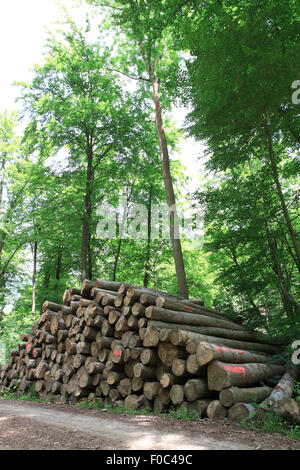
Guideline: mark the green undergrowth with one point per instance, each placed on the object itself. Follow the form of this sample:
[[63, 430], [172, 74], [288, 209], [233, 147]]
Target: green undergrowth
[[30, 395], [181, 413], [8, 394], [113, 409], [271, 422]]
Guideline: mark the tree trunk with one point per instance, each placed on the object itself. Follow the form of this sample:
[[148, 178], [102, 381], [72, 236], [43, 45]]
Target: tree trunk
[[200, 406], [151, 389], [195, 389], [149, 357], [221, 375], [216, 410], [86, 220], [193, 367], [162, 314], [58, 266], [117, 255], [145, 372], [281, 197], [284, 388], [207, 352], [147, 262], [179, 367], [137, 384], [177, 394], [182, 337], [170, 195], [230, 396], [125, 387], [167, 352], [167, 380], [134, 402], [107, 285], [35, 248], [151, 338]]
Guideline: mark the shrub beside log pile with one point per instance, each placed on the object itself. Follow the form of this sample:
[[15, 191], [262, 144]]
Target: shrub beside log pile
[[125, 345]]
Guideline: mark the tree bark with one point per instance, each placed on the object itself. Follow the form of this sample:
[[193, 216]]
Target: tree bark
[[221, 375], [200, 406], [182, 337], [170, 195], [284, 388], [281, 196], [35, 248], [134, 402], [151, 389], [147, 262], [86, 262], [177, 394], [207, 352], [151, 338], [179, 367], [193, 367], [167, 352], [216, 410], [156, 313], [230, 396], [195, 389], [145, 372]]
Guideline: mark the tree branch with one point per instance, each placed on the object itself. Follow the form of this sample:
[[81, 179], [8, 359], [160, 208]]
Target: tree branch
[[130, 76], [110, 6], [3, 270]]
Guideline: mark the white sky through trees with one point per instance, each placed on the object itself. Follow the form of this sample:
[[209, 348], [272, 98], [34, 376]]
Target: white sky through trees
[[23, 34]]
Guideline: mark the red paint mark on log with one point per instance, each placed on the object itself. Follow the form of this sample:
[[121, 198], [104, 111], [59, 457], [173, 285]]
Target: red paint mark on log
[[187, 309], [34, 353], [117, 353], [223, 348], [235, 369], [28, 347]]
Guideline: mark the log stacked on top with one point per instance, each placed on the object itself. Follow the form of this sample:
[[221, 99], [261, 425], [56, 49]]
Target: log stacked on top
[[126, 345]]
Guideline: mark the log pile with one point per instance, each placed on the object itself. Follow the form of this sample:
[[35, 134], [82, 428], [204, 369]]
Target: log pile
[[125, 345]]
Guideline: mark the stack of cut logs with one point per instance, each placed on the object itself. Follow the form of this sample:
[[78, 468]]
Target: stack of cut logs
[[125, 345]]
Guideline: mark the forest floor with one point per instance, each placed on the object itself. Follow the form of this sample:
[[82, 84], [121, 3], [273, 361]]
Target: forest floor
[[43, 426]]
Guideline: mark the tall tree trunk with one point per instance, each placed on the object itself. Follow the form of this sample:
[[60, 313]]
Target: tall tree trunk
[[89, 255], [121, 230], [86, 234], [117, 256], [170, 195], [47, 279], [35, 249], [147, 263], [240, 276], [3, 160], [58, 266], [289, 303], [281, 196]]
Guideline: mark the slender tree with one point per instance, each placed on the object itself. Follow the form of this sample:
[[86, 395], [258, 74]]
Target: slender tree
[[152, 59]]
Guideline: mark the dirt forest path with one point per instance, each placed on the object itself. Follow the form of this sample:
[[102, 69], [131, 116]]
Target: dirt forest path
[[39, 426]]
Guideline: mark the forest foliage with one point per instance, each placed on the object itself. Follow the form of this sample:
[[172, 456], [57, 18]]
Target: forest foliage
[[88, 134]]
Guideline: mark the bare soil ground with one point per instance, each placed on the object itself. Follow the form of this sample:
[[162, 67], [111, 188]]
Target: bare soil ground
[[42, 426]]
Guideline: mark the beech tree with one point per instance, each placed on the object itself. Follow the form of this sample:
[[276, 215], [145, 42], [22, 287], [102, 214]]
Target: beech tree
[[152, 60], [76, 101]]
